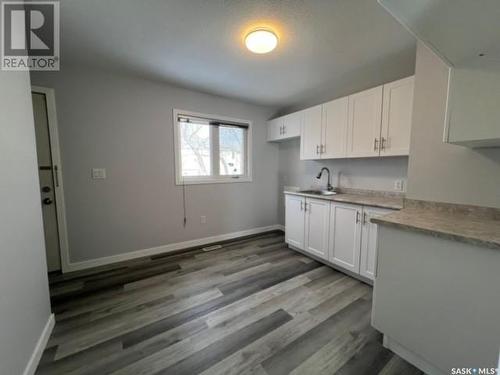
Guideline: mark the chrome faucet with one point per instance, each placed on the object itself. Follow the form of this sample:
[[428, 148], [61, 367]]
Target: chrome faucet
[[329, 186]]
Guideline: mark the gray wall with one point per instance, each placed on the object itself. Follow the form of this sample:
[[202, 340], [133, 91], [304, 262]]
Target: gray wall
[[24, 296], [438, 171], [361, 173], [124, 124]]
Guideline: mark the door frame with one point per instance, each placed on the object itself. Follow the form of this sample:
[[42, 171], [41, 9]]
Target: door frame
[[50, 101]]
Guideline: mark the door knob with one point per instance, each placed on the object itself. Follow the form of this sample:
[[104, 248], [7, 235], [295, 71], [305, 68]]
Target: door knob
[[47, 201]]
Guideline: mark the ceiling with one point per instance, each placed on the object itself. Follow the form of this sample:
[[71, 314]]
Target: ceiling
[[327, 47], [460, 31]]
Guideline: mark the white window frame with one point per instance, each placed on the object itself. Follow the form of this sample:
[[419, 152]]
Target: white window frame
[[195, 180]]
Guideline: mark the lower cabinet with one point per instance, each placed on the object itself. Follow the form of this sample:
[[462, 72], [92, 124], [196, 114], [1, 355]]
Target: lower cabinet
[[368, 259], [345, 238], [294, 220], [339, 233], [317, 214]]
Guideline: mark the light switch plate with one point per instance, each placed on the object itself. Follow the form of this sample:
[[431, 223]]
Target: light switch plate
[[98, 173]]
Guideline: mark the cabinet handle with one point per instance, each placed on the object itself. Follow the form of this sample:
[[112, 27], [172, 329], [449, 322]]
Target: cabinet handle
[[284, 129], [317, 149], [281, 130], [364, 218], [301, 205], [322, 149], [382, 144], [305, 207], [357, 217], [56, 175], [375, 145]]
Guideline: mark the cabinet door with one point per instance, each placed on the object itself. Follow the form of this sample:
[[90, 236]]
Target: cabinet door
[[396, 117], [294, 220], [274, 129], [310, 135], [291, 125], [368, 255], [335, 121], [345, 235], [317, 225], [365, 116]]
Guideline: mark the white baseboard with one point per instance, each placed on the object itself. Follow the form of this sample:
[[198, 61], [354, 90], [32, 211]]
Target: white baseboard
[[40, 347], [77, 266], [280, 227], [411, 357]]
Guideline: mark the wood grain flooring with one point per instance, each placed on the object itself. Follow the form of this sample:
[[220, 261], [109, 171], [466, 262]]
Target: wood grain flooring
[[251, 307]]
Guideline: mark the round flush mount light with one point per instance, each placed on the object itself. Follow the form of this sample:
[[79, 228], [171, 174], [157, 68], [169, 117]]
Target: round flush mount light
[[261, 41]]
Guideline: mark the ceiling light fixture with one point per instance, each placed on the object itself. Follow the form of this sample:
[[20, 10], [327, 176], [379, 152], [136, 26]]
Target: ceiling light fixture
[[261, 41]]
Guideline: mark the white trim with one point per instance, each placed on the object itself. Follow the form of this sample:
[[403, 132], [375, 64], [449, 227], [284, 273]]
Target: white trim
[[40, 347], [50, 100], [411, 357], [447, 112], [211, 179], [77, 266]]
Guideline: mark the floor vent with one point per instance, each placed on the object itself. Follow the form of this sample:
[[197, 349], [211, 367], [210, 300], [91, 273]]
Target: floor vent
[[211, 248]]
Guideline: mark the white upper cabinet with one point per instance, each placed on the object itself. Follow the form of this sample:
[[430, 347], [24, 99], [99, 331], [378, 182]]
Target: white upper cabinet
[[365, 118], [310, 136], [345, 235], [294, 220], [368, 254], [396, 117], [284, 127], [371, 123], [292, 124], [274, 129], [473, 111], [317, 227], [334, 132]]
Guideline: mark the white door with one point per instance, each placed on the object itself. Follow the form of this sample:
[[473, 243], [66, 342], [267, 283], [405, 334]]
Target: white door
[[335, 122], [310, 135], [291, 125], [47, 185], [345, 235], [368, 261], [294, 220], [365, 117], [317, 227], [396, 117], [274, 129]]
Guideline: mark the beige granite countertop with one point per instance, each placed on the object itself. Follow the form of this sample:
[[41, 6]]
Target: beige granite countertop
[[391, 202], [474, 229]]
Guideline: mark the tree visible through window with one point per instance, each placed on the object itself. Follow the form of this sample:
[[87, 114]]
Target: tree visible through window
[[231, 150], [211, 150], [195, 149]]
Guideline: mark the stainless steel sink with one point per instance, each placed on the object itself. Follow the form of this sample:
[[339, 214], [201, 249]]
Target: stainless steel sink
[[318, 192]]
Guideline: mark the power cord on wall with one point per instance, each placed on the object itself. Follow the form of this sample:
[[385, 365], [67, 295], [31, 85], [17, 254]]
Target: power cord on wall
[[184, 203]]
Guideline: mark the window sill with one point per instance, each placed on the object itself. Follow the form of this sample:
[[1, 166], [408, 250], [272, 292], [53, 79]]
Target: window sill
[[214, 181]]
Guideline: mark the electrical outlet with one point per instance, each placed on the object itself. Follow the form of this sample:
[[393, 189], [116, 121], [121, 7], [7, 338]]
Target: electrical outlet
[[203, 219], [98, 173], [399, 185]]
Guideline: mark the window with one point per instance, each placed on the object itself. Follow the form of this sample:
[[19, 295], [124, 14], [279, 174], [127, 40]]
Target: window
[[211, 149]]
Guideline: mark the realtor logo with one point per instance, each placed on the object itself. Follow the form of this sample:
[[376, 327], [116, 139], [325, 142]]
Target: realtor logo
[[30, 35]]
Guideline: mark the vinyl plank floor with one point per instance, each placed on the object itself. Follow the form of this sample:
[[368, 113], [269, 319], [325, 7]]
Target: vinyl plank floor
[[253, 306]]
